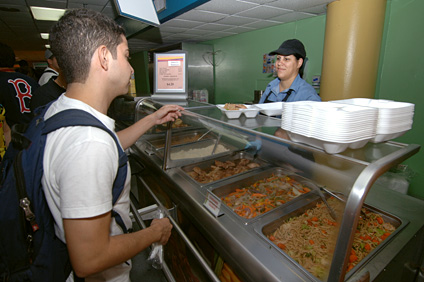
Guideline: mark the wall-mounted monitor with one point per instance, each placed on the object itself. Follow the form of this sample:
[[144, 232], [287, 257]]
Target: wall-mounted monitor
[[141, 10], [170, 77], [136, 15]]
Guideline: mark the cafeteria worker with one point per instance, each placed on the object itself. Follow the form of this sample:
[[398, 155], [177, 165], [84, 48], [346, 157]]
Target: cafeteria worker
[[289, 86]]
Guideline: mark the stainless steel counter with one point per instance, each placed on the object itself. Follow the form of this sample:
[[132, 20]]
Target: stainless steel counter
[[353, 173]]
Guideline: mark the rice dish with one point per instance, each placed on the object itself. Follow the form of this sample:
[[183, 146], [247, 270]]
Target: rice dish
[[197, 152]]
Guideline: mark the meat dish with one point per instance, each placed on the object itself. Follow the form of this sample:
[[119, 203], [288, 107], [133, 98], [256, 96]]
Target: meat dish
[[222, 170]]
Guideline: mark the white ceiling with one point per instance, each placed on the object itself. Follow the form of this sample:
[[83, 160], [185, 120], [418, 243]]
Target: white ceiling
[[212, 20]]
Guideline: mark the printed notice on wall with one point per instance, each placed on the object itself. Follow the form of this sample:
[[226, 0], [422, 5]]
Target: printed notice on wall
[[170, 73], [268, 65]]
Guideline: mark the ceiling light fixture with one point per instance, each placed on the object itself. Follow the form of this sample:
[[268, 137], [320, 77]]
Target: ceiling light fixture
[[46, 14], [45, 35]]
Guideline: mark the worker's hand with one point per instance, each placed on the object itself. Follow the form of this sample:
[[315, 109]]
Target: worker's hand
[[167, 113], [163, 227]]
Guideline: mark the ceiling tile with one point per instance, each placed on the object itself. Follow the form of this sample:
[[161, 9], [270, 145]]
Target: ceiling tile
[[87, 6], [297, 5], [183, 23], [317, 10], [46, 3], [263, 12], [198, 32], [260, 2], [213, 26], [239, 29], [262, 24], [291, 17], [172, 29], [226, 6], [12, 2], [90, 2], [211, 20], [202, 16], [236, 20]]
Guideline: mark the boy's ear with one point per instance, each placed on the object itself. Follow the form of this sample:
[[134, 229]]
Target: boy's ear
[[102, 56]]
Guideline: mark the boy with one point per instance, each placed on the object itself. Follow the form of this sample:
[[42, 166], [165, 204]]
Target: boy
[[80, 163]]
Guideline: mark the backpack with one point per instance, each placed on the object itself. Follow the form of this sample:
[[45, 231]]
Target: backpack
[[29, 248]]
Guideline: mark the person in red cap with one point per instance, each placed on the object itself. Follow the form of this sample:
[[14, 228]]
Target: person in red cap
[[289, 86]]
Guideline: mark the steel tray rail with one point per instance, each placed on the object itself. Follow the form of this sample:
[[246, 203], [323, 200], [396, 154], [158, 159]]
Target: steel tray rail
[[354, 203]]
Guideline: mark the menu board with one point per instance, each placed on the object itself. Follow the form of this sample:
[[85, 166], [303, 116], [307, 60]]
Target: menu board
[[170, 73]]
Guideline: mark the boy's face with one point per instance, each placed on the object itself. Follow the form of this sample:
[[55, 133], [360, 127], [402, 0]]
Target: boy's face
[[121, 68]]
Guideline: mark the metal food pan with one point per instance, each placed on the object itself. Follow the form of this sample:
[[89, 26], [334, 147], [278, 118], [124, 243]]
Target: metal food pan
[[235, 157], [181, 124], [199, 151], [181, 137], [227, 189], [269, 224]]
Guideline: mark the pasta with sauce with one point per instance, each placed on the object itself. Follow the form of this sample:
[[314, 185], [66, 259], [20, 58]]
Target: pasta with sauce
[[310, 238]]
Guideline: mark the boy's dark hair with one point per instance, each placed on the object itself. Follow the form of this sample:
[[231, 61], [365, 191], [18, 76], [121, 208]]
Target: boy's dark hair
[[76, 36], [7, 56]]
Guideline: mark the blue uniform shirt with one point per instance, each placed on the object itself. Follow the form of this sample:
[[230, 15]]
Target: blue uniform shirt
[[302, 91]]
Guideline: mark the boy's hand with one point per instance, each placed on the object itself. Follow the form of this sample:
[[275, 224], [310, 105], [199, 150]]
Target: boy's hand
[[168, 113]]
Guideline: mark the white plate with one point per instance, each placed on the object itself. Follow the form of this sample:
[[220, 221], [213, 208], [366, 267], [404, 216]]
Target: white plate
[[271, 109], [251, 111], [328, 147]]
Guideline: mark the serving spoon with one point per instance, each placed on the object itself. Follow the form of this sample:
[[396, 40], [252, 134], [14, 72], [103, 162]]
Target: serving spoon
[[321, 195]]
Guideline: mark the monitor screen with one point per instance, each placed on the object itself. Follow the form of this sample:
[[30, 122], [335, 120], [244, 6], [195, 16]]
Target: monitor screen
[[170, 73], [141, 10]]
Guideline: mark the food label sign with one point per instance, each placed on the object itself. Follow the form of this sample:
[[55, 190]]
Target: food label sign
[[213, 204], [170, 73]]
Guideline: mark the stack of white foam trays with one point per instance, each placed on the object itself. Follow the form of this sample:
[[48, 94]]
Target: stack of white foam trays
[[394, 118], [337, 125]]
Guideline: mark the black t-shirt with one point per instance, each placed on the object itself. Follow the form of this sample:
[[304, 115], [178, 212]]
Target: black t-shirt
[[16, 90], [46, 93]]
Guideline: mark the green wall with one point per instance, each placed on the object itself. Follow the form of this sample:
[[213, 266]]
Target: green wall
[[239, 58], [140, 61], [401, 75]]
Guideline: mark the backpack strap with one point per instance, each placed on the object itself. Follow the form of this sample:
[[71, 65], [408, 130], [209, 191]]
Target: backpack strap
[[75, 117]]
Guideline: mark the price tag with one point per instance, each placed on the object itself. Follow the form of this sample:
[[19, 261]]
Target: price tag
[[213, 204]]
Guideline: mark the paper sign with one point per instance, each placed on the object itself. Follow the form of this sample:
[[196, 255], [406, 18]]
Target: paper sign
[[212, 203], [170, 73]]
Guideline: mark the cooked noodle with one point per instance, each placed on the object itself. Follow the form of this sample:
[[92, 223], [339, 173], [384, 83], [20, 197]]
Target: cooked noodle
[[310, 238]]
